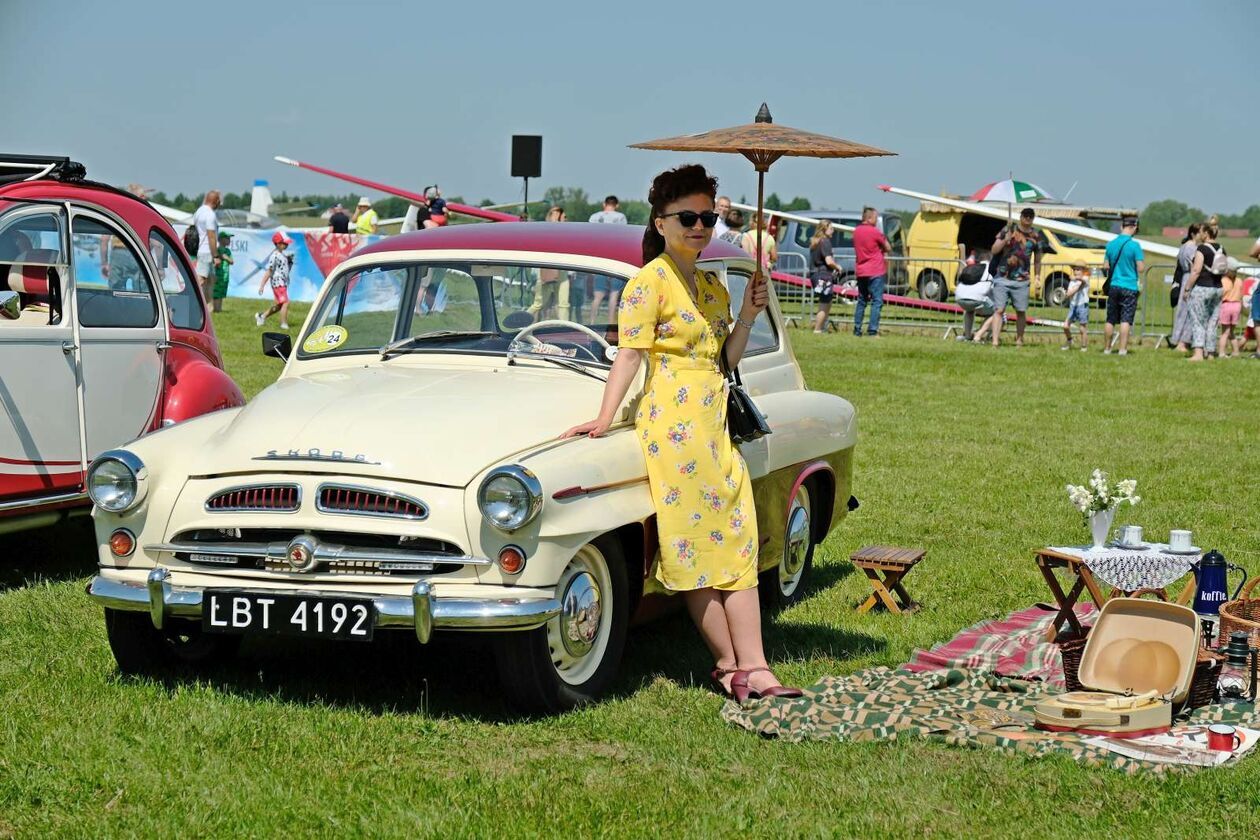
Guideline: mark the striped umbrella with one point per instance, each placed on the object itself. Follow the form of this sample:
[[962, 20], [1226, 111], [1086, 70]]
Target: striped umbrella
[[1010, 191]]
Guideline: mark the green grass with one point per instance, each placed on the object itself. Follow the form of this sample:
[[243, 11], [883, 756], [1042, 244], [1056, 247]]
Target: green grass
[[963, 450]]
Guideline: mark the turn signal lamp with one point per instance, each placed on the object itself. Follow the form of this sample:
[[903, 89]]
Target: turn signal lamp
[[512, 560], [122, 543]]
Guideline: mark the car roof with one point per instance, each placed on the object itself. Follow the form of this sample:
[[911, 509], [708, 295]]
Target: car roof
[[130, 207], [623, 243]]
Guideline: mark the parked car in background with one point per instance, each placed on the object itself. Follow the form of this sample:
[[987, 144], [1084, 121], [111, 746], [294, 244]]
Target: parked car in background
[[425, 488], [793, 239], [941, 238], [103, 334]]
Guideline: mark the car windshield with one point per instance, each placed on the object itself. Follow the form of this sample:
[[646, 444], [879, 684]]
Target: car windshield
[[1070, 241], [496, 308], [840, 239]]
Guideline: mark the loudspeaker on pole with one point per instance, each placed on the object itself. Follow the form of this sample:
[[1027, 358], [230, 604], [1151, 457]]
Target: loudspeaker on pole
[[526, 156]]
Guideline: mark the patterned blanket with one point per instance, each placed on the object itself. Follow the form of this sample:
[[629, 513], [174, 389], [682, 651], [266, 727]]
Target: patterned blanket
[[960, 707], [1014, 646]]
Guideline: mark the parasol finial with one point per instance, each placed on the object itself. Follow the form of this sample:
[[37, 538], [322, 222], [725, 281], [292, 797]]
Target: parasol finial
[[763, 115]]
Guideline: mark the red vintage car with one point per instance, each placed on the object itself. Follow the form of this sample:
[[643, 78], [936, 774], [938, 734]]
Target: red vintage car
[[104, 335]]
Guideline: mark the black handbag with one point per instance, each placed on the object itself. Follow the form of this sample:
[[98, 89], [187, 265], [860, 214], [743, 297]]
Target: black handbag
[[744, 420]]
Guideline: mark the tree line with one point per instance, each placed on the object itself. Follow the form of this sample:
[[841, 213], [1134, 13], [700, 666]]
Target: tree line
[[578, 206], [1171, 213], [577, 203]]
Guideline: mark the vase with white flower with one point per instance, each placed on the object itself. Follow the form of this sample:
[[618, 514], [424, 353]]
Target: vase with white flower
[[1098, 500]]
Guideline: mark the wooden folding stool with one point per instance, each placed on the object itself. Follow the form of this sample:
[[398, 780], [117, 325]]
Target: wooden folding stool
[[895, 563]]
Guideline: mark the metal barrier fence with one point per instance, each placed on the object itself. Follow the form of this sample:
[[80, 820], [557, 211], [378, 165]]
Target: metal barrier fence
[[796, 299], [936, 277], [1156, 314]]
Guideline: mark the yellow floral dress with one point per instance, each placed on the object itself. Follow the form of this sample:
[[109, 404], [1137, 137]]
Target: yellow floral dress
[[698, 479]]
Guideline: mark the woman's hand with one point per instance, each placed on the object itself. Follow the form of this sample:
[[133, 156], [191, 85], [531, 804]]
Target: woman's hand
[[591, 428], [756, 298]]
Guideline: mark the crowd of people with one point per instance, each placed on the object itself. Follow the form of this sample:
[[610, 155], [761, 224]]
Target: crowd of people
[[1208, 292]]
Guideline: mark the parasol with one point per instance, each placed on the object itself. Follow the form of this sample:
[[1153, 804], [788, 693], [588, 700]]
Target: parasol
[[763, 142]]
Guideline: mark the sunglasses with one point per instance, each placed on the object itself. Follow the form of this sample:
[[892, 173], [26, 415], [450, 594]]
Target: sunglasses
[[688, 218]]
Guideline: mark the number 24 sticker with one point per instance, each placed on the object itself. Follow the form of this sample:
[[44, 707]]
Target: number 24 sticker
[[326, 338]]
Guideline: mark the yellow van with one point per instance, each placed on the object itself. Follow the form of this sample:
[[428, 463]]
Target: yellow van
[[941, 238]]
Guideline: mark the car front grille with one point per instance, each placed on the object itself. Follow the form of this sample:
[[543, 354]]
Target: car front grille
[[365, 501], [338, 552], [269, 498]]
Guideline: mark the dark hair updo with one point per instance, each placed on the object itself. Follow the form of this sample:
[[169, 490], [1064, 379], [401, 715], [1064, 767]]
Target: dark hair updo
[[668, 187]]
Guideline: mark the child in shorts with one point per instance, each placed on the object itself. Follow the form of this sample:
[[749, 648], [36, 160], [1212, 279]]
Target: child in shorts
[[222, 271], [1078, 307], [1231, 310], [277, 275]]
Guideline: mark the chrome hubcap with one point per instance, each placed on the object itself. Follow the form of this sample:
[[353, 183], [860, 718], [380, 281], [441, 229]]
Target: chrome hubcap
[[795, 545], [579, 614], [578, 636]]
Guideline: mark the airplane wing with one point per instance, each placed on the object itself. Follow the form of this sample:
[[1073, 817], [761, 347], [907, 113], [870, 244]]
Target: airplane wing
[[175, 217], [1000, 212], [805, 220], [464, 209]]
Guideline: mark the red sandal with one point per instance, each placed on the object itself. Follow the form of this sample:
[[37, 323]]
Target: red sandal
[[716, 676], [743, 691]]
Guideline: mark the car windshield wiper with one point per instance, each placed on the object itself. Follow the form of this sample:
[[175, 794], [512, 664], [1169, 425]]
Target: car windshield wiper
[[562, 361], [411, 341]]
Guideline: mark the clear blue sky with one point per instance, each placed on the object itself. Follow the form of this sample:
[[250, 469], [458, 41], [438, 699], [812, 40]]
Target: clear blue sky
[[1136, 101]]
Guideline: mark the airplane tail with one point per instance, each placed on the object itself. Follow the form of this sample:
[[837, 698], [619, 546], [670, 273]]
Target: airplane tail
[[260, 201]]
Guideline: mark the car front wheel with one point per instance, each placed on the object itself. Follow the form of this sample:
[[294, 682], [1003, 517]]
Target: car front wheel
[[785, 584], [1054, 293], [572, 659], [932, 285], [141, 648]]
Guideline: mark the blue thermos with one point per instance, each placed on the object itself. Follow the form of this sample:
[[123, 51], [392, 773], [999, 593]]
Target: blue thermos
[[1211, 576]]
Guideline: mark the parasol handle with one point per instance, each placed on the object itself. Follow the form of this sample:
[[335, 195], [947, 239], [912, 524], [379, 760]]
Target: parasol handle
[[759, 222]]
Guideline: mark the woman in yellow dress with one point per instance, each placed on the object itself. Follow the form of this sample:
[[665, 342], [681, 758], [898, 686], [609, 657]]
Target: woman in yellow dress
[[677, 319]]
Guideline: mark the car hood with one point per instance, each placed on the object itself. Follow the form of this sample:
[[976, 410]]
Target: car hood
[[431, 424]]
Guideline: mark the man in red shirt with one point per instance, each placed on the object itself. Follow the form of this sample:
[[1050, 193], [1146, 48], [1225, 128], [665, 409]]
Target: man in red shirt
[[870, 245]]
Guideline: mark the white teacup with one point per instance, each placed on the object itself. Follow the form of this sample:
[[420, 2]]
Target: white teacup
[[1179, 540], [1130, 535]]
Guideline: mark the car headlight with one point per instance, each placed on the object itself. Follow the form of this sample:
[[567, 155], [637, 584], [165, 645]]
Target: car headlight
[[117, 481], [510, 497]]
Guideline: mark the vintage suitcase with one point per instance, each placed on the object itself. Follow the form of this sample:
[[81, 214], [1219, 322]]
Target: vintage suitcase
[[1138, 662]]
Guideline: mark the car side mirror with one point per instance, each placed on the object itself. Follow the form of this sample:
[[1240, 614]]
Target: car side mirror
[[10, 305], [277, 344]]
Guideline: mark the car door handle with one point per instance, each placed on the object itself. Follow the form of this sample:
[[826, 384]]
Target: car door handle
[[162, 345], [68, 347]]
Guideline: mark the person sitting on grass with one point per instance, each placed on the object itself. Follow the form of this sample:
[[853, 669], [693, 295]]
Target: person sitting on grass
[[1078, 307], [973, 291], [278, 265]]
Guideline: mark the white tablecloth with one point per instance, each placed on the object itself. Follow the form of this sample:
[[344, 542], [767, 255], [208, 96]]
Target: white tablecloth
[[1129, 569]]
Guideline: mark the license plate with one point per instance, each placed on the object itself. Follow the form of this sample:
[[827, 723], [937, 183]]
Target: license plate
[[225, 611]]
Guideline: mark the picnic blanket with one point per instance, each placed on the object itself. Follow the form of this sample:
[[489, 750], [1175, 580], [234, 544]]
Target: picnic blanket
[[1014, 646], [967, 708]]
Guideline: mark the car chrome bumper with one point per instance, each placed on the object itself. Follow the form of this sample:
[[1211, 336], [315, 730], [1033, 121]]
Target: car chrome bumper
[[423, 610]]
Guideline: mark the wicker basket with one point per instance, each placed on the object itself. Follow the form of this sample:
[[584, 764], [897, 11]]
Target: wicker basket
[[1242, 614], [1202, 685], [1071, 647]]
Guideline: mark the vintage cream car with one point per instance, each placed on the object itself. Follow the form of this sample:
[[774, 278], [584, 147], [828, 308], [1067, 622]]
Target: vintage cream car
[[405, 470]]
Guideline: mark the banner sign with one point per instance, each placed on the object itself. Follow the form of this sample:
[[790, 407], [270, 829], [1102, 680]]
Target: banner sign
[[315, 253]]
